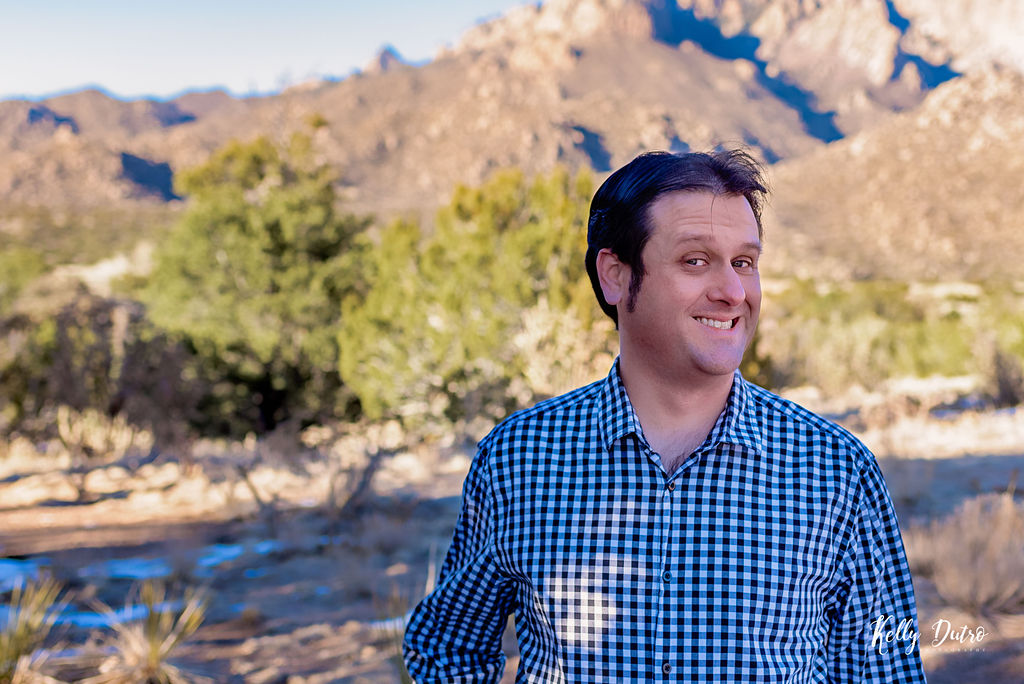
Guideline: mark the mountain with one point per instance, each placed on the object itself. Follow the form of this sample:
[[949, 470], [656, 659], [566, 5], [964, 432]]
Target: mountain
[[573, 82], [848, 56], [88, 149], [583, 82], [386, 58], [965, 33], [931, 194]]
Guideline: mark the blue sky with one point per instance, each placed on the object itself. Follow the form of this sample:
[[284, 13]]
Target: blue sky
[[142, 48]]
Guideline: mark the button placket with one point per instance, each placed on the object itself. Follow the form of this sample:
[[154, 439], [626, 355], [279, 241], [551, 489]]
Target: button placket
[[666, 575]]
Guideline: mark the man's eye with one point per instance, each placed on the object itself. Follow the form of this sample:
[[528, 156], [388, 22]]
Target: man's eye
[[742, 263], [695, 261]]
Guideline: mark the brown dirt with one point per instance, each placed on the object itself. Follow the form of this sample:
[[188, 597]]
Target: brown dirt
[[301, 613]]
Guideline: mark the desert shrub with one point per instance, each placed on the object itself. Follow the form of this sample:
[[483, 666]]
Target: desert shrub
[[84, 235], [559, 352], [91, 438], [19, 265], [144, 650], [449, 320], [34, 606], [840, 334], [102, 355], [975, 556], [1004, 378], [253, 277]]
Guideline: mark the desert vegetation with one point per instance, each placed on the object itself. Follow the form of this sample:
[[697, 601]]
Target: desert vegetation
[[140, 648], [975, 555], [26, 628]]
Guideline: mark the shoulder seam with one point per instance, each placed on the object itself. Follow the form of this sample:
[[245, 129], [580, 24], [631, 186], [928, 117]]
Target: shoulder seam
[[801, 414], [554, 404]]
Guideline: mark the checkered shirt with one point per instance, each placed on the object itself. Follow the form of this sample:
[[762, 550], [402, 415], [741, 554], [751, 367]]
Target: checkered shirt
[[771, 554]]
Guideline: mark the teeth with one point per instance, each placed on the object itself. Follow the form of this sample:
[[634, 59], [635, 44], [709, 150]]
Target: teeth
[[710, 322]]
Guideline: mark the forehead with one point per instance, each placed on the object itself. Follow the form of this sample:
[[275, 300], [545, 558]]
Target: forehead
[[683, 214]]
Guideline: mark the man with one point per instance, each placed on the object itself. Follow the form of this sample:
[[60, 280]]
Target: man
[[673, 522]]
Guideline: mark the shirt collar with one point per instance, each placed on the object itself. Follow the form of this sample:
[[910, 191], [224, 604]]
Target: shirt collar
[[737, 424]]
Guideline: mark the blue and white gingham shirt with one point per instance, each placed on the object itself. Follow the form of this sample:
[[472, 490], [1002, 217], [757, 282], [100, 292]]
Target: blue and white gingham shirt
[[771, 554]]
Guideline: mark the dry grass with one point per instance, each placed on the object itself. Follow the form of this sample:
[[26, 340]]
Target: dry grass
[[143, 649], [396, 609], [31, 669], [90, 438], [975, 556], [34, 606], [392, 628]]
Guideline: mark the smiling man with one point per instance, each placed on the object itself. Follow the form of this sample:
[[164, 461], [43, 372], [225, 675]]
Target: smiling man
[[672, 522]]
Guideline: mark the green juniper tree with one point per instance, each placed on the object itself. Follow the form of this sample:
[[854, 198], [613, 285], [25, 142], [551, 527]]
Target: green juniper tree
[[253, 277], [440, 326]]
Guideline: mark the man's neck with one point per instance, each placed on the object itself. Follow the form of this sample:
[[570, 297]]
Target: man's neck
[[676, 414]]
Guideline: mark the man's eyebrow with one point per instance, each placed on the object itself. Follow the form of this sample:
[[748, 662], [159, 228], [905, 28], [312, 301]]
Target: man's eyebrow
[[754, 245]]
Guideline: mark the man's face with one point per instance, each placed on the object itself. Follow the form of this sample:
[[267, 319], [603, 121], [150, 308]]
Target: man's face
[[698, 305]]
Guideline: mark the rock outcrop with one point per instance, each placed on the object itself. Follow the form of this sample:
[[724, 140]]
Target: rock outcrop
[[847, 55], [386, 59], [932, 194], [969, 34]]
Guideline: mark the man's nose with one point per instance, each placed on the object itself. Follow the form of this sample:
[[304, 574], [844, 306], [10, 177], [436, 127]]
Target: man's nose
[[728, 286]]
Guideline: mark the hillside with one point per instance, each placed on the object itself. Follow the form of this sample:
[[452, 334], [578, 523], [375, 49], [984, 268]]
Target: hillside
[[592, 83], [928, 194], [576, 82]]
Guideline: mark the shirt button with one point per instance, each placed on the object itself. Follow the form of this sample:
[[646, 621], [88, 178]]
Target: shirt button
[[666, 668], [667, 576], [671, 486]]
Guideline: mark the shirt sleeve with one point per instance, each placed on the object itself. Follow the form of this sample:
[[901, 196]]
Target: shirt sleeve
[[874, 635], [454, 634]]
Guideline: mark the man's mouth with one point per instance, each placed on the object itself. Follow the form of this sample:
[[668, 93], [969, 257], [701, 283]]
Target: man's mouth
[[720, 325]]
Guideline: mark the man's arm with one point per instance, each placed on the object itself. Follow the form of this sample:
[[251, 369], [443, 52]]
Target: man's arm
[[454, 634], [874, 637]]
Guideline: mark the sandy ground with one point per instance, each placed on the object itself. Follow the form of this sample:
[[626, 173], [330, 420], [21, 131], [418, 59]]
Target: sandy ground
[[303, 611], [309, 607]]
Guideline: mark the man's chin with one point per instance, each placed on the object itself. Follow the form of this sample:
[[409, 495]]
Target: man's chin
[[722, 364]]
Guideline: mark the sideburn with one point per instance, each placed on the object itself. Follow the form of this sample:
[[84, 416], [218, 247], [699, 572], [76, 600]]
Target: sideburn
[[636, 279]]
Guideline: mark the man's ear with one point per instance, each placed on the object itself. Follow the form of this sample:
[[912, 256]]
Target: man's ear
[[613, 275]]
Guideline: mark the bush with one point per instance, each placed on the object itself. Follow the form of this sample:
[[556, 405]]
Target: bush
[[81, 235], [99, 355], [34, 606], [253, 277], [448, 324], [976, 555], [20, 265], [1005, 378], [837, 335], [144, 650]]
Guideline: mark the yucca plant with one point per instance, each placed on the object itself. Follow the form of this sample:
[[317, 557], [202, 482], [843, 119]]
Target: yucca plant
[[143, 649], [34, 606], [30, 669]]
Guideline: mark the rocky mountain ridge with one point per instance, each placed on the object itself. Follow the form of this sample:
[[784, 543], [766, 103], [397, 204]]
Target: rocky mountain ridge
[[571, 82], [929, 194]]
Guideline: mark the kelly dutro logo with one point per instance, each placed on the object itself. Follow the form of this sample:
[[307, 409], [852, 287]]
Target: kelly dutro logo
[[887, 633]]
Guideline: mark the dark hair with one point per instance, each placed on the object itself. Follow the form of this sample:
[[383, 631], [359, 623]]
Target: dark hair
[[619, 211]]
